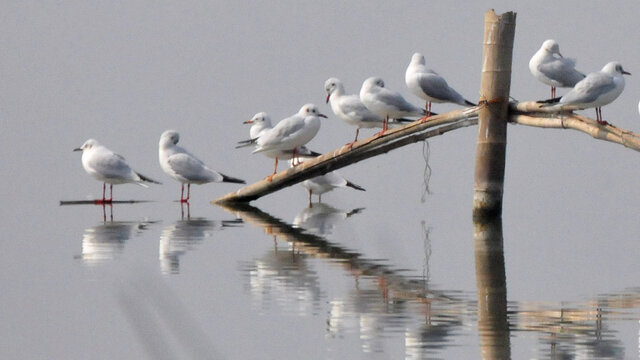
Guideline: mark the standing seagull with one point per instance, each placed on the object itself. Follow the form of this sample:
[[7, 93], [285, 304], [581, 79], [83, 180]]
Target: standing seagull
[[181, 165], [554, 71], [429, 86], [106, 166], [596, 90], [385, 102], [325, 183], [291, 133], [261, 122], [349, 108]]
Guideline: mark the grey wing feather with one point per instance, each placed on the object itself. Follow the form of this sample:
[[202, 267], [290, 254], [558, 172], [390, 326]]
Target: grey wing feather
[[112, 166], [589, 89], [562, 71], [398, 101], [192, 168], [352, 106]]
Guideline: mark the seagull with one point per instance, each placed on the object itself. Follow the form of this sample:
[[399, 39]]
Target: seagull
[[261, 122], [290, 133], [349, 108], [325, 183], [554, 71], [386, 103], [184, 167], [429, 86], [596, 90], [106, 166]]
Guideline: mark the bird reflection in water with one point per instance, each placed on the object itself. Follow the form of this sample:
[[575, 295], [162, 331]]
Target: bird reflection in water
[[184, 235], [321, 219], [106, 241]]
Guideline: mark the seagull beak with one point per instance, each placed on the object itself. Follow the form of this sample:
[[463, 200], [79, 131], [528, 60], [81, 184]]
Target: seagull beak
[[560, 55], [322, 115], [328, 96], [626, 72], [77, 149], [248, 122]]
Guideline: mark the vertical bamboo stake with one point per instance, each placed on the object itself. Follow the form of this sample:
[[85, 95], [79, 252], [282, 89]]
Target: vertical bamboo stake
[[493, 323], [495, 82]]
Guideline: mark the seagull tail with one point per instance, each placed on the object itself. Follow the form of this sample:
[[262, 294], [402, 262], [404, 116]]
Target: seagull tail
[[554, 100], [148, 179], [357, 187], [245, 143], [231, 179]]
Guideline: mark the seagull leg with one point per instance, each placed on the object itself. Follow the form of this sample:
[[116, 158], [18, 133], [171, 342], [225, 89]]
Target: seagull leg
[[275, 168], [553, 92], [427, 110], [188, 193], [385, 127], [599, 117], [110, 199], [350, 144], [182, 194], [310, 199]]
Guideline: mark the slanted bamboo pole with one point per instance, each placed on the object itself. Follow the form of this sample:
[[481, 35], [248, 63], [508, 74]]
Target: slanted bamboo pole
[[530, 114], [364, 149], [492, 119]]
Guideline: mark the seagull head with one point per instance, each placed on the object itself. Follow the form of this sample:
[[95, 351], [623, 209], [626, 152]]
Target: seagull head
[[261, 118], [615, 67], [372, 83], [87, 145], [310, 110], [552, 47], [332, 85], [169, 138], [417, 59]]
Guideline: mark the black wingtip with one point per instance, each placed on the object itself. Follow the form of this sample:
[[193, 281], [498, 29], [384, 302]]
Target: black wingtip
[[148, 179], [230, 179], [315, 153], [554, 100], [357, 187], [469, 103]]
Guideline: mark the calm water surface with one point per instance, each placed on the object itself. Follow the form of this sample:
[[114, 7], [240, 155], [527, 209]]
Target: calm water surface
[[243, 283]]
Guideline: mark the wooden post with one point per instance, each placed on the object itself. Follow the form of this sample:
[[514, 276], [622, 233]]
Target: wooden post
[[495, 83], [493, 324]]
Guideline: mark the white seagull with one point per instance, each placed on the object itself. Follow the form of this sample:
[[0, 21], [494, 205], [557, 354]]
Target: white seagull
[[325, 183], [386, 103], [290, 133], [429, 86], [184, 167], [261, 122], [349, 108], [555, 71], [596, 90], [110, 168]]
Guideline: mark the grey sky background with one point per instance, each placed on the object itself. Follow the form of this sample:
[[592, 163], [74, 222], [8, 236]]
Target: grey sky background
[[123, 72]]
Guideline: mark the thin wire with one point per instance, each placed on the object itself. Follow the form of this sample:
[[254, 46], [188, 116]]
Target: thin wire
[[426, 151]]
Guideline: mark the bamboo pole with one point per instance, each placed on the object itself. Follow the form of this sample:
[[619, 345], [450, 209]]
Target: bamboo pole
[[583, 124], [364, 149], [492, 119]]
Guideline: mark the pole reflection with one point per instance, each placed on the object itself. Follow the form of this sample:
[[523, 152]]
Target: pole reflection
[[384, 301], [493, 325]]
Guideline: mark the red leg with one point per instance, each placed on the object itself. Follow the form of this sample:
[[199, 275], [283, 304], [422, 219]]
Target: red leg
[[599, 117], [350, 145], [553, 92], [385, 127], [188, 192], [182, 194], [275, 168], [427, 109]]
